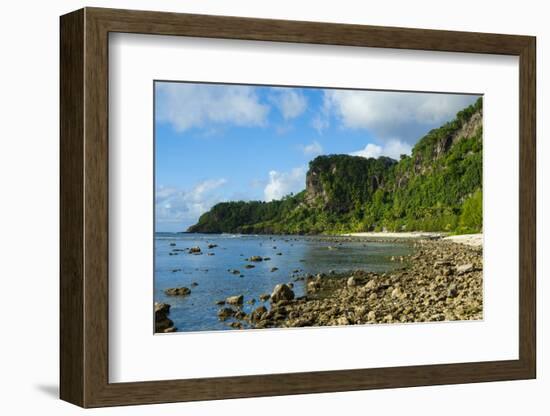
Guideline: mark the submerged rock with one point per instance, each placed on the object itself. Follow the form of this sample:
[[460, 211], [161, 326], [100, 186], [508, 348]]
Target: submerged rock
[[178, 291], [255, 258]]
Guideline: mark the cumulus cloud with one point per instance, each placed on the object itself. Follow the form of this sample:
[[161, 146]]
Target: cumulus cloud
[[312, 149], [392, 114], [185, 106], [177, 206], [290, 102], [392, 148], [281, 184]]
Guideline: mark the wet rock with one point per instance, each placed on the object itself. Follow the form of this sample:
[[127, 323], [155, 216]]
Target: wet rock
[[274, 269], [249, 266], [172, 244], [255, 258], [235, 271], [177, 291], [235, 300], [257, 314], [236, 325], [194, 284], [279, 254], [162, 322], [264, 297], [194, 250], [225, 313], [267, 258], [211, 254], [210, 246], [281, 292], [220, 302]]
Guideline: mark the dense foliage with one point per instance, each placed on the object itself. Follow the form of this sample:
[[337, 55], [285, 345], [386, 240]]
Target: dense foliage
[[437, 188]]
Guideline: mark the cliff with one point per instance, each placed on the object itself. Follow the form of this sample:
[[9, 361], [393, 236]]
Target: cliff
[[437, 188]]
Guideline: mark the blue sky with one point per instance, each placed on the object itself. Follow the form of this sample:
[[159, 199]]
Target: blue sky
[[219, 142]]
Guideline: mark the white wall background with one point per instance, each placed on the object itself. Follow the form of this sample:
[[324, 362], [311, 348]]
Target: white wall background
[[29, 209]]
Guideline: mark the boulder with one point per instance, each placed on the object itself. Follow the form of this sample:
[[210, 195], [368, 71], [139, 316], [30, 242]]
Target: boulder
[[162, 322], [195, 250], [225, 313], [465, 268], [255, 258], [281, 292], [352, 281], [257, 314], [235, 300], [178, 291]]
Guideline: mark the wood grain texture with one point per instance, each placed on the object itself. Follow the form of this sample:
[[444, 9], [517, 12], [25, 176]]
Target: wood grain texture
[[84, 205], [71, 100]]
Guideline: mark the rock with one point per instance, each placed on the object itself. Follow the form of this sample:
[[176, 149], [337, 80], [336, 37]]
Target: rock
[[352, 281], [290, 285], [257, 314], [398, 293], [249, 266], [178, 291], [211, 254], [371, 316], [236, 325], [265, 296], [162, 322], [235, 300], [240, 315], [251, 301], [176, 270], [235, 271], [313, 286], [465, 268], [281, 292], [279, 254], [194, 284], [440, 263], [220, 302], [274, 269], [267, 258], [172, 244], [296, 271], [194, 250], [255, 258], [343, 320], [212, 245], [371, 284], [225, 313], [452, 291]]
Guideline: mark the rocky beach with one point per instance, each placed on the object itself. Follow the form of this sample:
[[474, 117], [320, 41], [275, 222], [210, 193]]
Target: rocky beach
[[440, 280]]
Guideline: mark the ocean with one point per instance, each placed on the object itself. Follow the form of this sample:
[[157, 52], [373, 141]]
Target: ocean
[[292, 256]]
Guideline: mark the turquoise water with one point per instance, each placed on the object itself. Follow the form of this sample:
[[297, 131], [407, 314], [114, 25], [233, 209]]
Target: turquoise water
[[198, 311]]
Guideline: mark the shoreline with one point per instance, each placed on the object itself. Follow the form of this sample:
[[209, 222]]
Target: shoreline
[[441, 281]]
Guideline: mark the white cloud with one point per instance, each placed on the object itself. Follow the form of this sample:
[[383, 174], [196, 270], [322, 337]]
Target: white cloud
[[320, 122], [392, 148], [174, 205], [282, 183], [196, 105], [291, 103], [390, 114], [313, 149]]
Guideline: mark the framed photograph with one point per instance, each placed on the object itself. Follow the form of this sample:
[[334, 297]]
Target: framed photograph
[[255, 207]]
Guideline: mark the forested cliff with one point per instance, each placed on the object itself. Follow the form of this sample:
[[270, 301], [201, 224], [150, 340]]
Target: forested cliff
[[437, 188]]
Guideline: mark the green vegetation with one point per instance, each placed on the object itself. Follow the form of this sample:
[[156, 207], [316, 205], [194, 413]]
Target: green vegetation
[[437, 188]]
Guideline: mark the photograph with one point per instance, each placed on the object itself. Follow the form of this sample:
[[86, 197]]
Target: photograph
[[285, 207]]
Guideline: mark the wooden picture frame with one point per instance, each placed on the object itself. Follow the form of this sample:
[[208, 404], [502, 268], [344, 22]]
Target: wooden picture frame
[[84, 207]]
